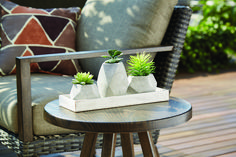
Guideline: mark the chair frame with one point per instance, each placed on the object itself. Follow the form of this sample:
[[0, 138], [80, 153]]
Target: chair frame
[[27, 144]]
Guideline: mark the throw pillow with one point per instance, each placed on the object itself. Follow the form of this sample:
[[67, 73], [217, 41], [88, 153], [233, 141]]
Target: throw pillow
[[29, 31], [119, 24]]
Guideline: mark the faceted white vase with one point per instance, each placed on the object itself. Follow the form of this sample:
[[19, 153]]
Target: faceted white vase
[[142, 84], [89, 91], [112, 79]]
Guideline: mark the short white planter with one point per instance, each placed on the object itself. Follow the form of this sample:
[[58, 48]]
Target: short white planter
[[112, 79], [89, 91], [142, 84]]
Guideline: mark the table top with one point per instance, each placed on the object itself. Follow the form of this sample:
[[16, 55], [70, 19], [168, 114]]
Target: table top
[[135, 118]]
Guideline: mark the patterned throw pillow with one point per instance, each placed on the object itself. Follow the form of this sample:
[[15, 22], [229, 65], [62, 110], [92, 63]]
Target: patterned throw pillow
[[28, 31]]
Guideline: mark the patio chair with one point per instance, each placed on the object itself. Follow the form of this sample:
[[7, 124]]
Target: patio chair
[[21, 108]]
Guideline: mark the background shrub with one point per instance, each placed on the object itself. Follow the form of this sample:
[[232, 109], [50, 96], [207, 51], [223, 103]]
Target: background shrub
[[210, 44]]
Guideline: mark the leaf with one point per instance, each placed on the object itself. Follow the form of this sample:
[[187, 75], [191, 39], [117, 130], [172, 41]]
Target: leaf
[[114, 56], [117, 53], [140, 65], [106, 56], [111, 53], [83, 78], [113, 60]]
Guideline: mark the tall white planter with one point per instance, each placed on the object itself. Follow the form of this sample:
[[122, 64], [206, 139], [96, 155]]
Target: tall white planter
[[88, 91], [112, 79], [142, 84]]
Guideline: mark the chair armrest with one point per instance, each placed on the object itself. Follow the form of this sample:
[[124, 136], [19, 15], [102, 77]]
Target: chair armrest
[[24, 81]]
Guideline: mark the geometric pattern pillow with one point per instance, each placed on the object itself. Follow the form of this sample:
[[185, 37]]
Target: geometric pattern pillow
[[28, 31]]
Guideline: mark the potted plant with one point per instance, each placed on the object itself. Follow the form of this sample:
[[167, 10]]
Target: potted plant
[[140, 69], [112, 78], [83, 87]]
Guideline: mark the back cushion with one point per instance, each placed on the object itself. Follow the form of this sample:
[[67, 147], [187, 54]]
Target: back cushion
[[30, 31], [51, 3], [119, 24]]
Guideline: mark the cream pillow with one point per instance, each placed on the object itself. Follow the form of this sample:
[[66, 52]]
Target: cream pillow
[[119, 24]]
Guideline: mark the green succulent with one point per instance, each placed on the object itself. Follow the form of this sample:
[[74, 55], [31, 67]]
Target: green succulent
[[140, 65], [113, 56], [83, 78]]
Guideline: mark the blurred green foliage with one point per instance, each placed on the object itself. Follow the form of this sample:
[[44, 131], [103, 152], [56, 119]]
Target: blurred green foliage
[[209, 45]]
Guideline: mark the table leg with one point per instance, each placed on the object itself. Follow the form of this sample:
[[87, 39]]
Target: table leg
[[109, 143], [88, 148], [147, 144], [127, 144]]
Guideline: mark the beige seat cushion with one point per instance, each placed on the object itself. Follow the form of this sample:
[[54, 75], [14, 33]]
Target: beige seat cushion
[[120, 24], [45, 88]]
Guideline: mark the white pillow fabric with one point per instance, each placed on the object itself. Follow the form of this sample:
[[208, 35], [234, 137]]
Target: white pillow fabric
[[119, 24]]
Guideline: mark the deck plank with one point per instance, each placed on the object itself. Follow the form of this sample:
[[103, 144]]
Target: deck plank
[[212, 130]]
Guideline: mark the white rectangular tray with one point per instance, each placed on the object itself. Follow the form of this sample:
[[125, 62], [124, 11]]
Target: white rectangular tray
[[114, 101]]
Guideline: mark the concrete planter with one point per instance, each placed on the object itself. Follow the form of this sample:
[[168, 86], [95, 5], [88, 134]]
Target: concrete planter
[[112, 80], [142, 84], [89, 91]]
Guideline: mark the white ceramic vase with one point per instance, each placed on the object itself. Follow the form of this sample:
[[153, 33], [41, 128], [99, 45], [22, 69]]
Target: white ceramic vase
[[112, 79], [88, 91], [142, 84]]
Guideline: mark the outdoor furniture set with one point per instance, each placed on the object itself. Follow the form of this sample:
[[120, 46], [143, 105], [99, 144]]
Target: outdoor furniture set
[[43, 48]]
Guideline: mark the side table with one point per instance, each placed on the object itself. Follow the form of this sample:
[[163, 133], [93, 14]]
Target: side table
[[124, 120]]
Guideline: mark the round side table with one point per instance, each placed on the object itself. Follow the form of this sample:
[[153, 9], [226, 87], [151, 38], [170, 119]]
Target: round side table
[[124, 120]]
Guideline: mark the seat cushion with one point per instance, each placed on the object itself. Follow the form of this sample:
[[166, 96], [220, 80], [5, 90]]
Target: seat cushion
[[30, 31], [120, 24], [45, 88]]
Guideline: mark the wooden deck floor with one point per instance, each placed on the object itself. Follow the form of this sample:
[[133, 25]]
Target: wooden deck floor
[[212, 130]]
